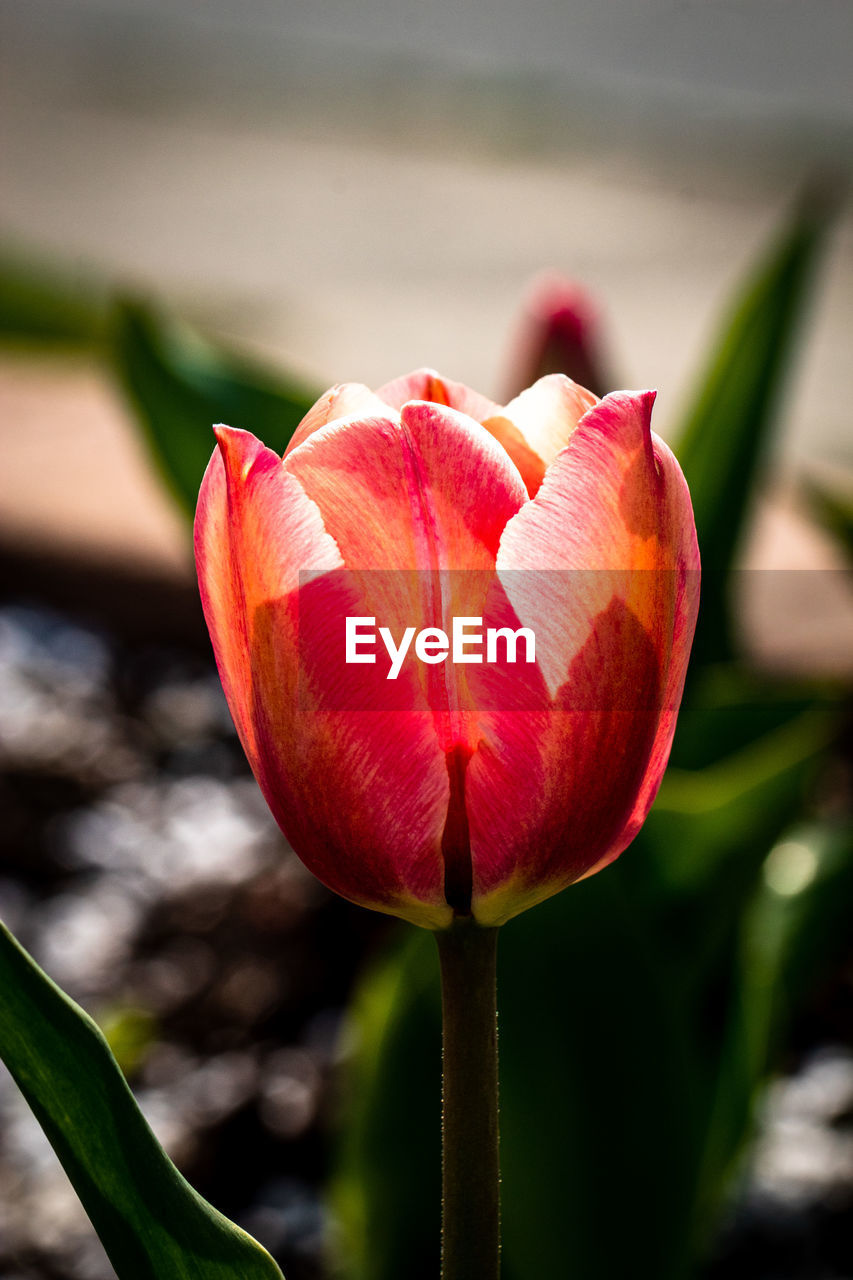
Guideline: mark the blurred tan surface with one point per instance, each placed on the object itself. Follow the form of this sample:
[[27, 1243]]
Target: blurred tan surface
[[75, 476], [78, 486], [355, 261], [358, 226]]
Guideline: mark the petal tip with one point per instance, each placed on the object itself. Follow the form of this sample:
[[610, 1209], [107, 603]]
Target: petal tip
[[241, 451]]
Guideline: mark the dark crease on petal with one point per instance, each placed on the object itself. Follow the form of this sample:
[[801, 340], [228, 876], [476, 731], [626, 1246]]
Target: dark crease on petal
[[456, 840]]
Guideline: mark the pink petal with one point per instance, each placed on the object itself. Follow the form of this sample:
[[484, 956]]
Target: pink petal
[[361, 795], [431, 492], [554, 794], [537, 424], [426, 384], [253, 527], [464, 480], [346, 400], [406, 502]]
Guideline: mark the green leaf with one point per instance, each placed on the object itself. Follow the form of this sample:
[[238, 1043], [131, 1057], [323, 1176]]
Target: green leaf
[[181, 386], [386, 1192], [725, 438], [611, 997], [833, 507], [795, 925], [798, 922], [42, 306], [706, 842], [151, 1222], [725, 814], [130, 1032]]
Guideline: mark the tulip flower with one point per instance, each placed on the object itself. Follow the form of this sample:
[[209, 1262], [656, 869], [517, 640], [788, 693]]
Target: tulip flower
[[468, 788], [559, 331], [446, 780]]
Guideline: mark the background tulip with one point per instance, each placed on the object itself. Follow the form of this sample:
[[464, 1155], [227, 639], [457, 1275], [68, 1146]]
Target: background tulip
[[470, 790], [559, 331]]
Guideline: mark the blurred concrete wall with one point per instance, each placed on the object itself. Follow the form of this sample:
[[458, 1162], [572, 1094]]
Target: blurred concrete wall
[[359, 188], [756, 61]]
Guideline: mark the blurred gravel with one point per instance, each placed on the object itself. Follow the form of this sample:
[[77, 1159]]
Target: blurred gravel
[[792, 1217], [140, 866]]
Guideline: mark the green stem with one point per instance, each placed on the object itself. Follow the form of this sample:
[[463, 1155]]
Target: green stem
[[471, 1170]]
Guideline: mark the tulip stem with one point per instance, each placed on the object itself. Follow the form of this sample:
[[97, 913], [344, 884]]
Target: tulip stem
[[471, 1170]]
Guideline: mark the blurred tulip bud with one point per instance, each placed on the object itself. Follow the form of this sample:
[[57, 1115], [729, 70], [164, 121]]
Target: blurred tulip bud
[[559, 332], [470, 780]]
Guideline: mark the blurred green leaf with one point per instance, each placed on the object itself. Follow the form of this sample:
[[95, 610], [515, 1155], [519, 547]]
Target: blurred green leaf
[[151, 1222], [42, 306], [592, 1120], [387, 1188], [707, 841], [130, 1032], [797, 923], [734, 804], [833, 508], [793, 927], [728, 707], [727, 431], [181, 386]]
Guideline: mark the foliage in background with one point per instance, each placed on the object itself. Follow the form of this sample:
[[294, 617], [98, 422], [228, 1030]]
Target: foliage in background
[[642, 1010], [180, 385], [833, 507], [48, 308], [726, 435]]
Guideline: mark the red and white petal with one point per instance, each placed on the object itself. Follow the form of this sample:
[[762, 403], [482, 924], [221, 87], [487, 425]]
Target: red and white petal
[[603, 566], [357, 777], [612, 518], [426, 384], [417, 509], [347, 400], [552, 794], [430, 493], [537, 424], [361, 795], [254, 530], [467, 488]]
